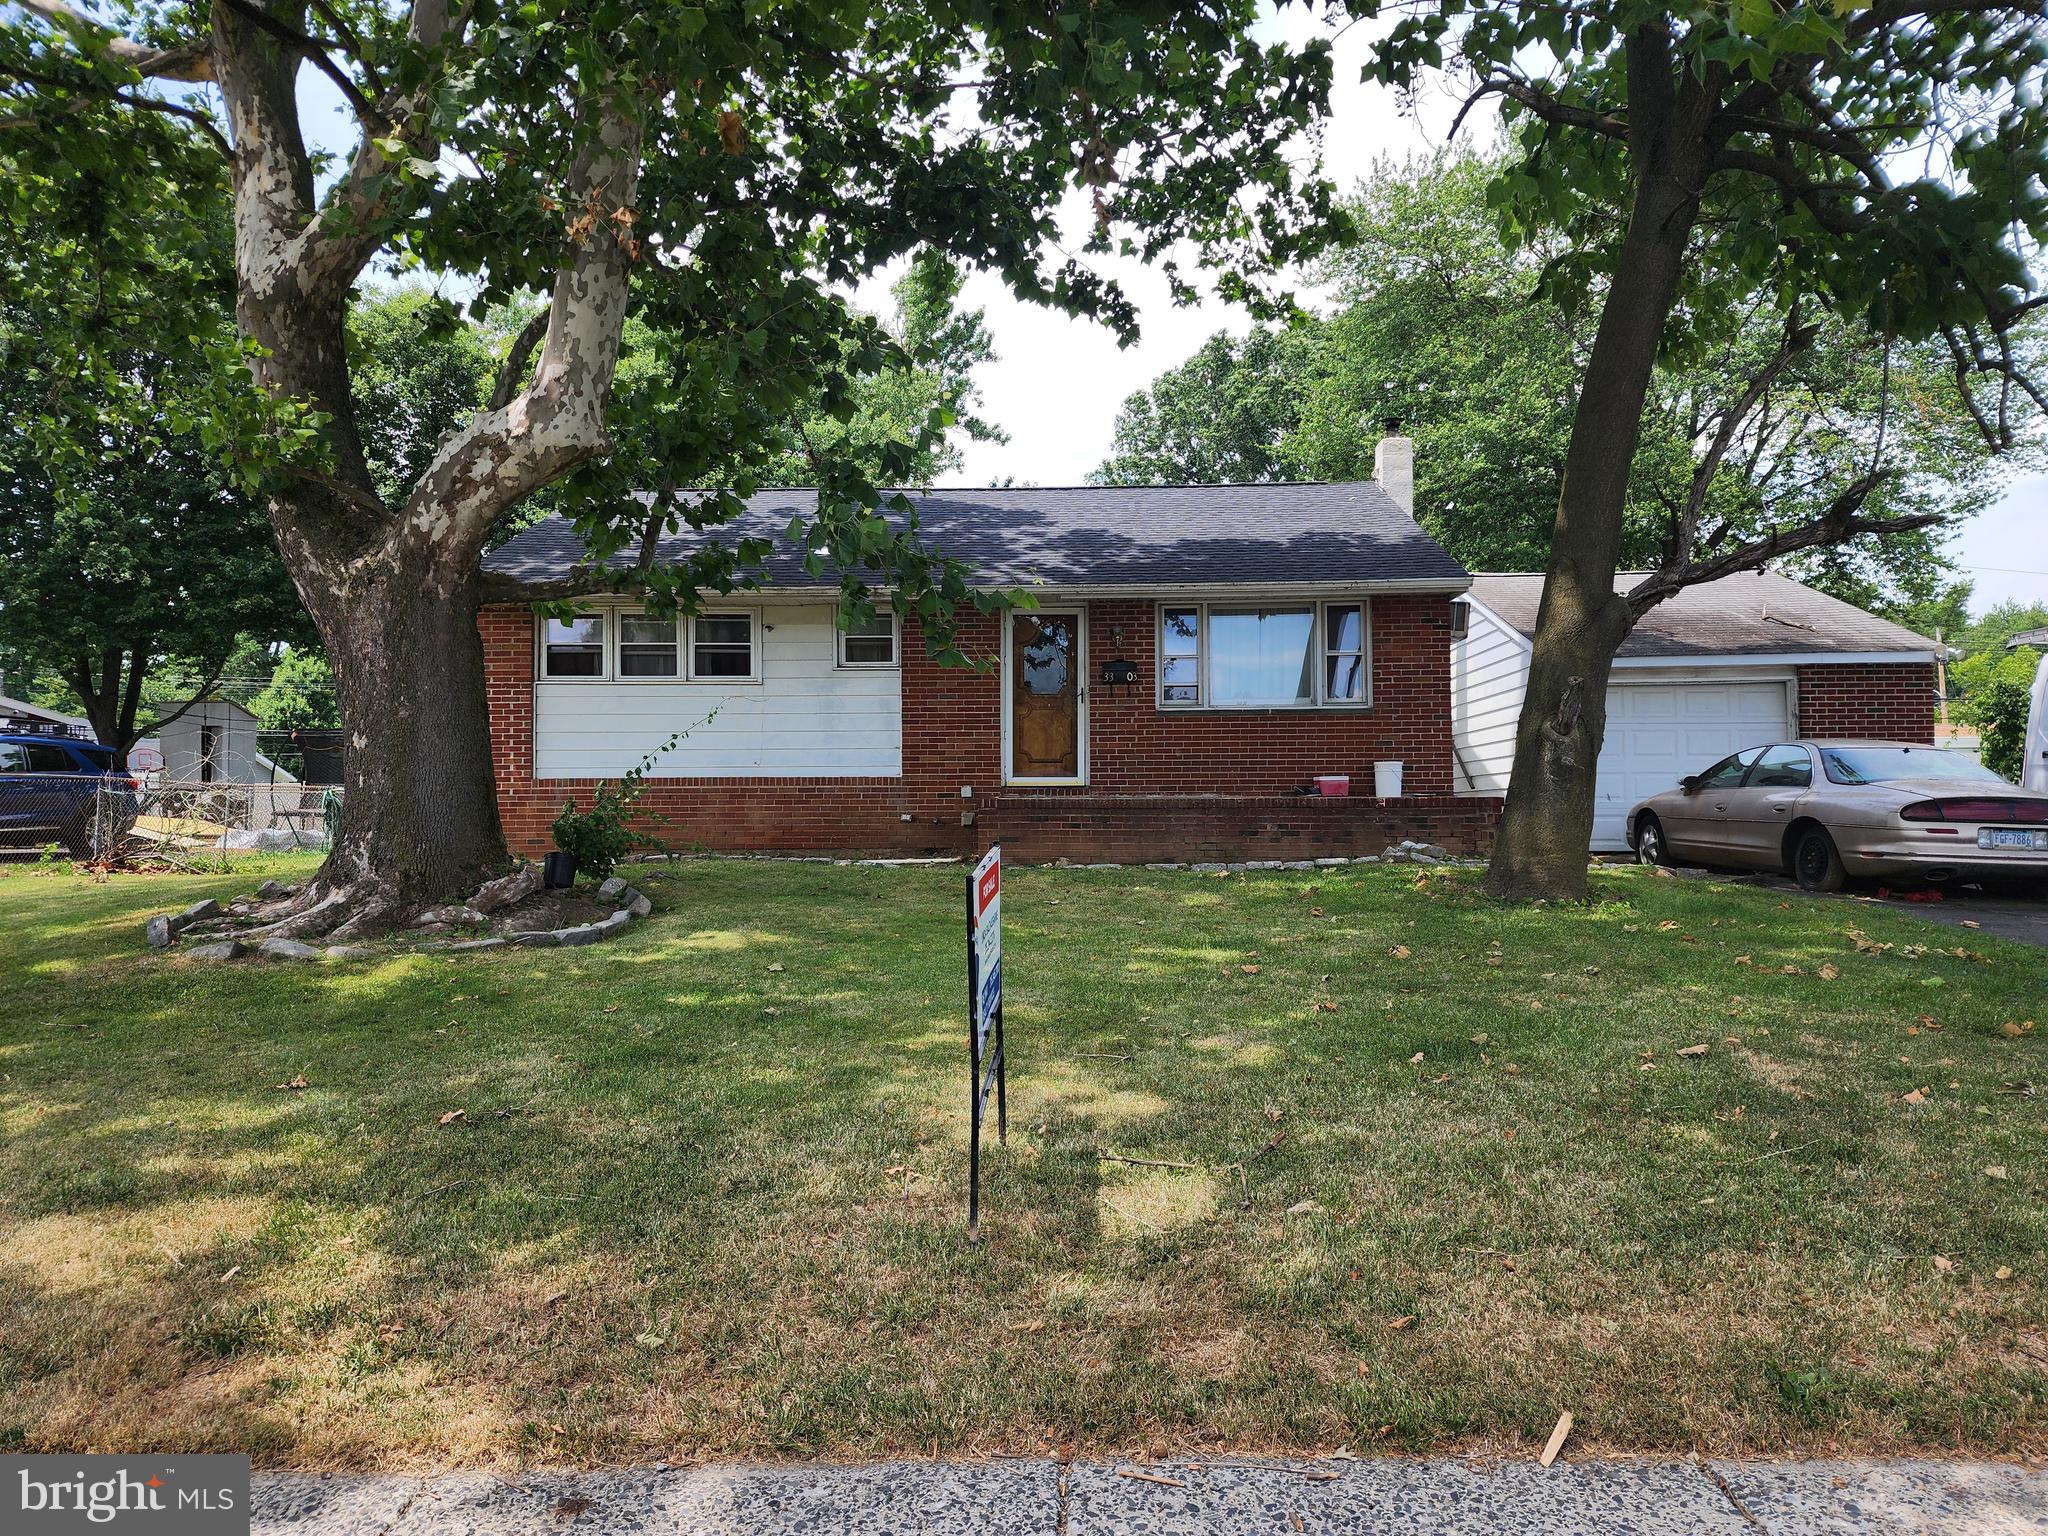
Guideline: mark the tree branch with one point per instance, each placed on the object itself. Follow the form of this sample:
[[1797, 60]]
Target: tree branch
[[558, 420], [315, 53], [498, 587], [1836, 524], [512, 373], [1797, 339], [191, 62], [173, 109], [1543, 105], [1817, 197]]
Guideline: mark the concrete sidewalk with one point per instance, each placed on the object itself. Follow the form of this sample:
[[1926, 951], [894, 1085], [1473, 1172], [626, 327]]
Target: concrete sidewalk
[[1225, 1497]]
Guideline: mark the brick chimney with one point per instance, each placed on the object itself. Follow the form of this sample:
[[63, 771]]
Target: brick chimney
[[1393, 465]]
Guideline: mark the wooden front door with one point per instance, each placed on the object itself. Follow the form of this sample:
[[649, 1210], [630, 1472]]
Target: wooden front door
[[1045, 695]]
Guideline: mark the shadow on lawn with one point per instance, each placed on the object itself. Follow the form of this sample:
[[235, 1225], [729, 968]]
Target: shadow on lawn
[[706, 1185]]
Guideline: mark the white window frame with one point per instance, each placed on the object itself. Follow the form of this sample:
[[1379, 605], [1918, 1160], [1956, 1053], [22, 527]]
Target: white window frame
[[618, 650], [610, 672], [1319, 608], [841, 636], [604, 656], [753, 618]]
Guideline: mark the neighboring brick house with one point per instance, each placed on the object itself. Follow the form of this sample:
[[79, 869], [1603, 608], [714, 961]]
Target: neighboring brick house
[[1750, 659], [1197, 656]]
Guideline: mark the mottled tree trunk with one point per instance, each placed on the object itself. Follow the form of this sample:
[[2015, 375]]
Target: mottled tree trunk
[[419, 824], [1547, 824], [392, 587]]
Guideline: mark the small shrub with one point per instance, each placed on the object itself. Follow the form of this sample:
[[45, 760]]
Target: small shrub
[[2000, 713], [601, 836]]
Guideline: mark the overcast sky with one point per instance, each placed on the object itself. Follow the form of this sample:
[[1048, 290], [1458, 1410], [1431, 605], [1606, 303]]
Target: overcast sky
[[1057, 383]]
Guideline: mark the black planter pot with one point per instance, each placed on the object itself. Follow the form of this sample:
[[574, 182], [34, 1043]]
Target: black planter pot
[[558, 871]]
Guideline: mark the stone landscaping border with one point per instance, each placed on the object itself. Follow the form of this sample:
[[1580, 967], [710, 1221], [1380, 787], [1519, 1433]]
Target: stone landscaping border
[[163, 931]]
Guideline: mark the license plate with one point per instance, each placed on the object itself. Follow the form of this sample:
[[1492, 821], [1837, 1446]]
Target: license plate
[[2004, 837]]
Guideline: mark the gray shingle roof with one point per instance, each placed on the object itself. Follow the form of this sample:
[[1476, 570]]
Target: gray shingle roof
[[1095, 536], [1754, 613]]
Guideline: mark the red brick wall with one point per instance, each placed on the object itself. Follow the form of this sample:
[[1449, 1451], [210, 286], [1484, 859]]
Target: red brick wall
[[1893, 701], [1138, 829], [1243, 762], [1135, 747]]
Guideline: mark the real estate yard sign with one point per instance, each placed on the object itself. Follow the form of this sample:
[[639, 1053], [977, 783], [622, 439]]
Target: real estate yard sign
[[984, 1018]]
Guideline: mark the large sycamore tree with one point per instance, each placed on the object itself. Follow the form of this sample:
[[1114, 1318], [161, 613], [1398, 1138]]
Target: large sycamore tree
[[1881, 161], [721, 172]]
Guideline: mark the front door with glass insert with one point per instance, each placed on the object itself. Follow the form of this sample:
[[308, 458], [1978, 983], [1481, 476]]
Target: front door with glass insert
[[1045, 696]]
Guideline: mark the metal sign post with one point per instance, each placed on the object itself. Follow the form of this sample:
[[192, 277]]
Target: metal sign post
[[984, 1019]]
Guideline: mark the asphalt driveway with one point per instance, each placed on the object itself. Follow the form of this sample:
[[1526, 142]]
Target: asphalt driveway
[[1966, 907]]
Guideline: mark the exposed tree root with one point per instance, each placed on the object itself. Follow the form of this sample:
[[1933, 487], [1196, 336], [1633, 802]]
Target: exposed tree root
[[360, 908]]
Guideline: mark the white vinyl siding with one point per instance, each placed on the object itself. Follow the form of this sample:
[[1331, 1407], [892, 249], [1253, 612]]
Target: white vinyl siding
[[1489, 673], [804, 716]]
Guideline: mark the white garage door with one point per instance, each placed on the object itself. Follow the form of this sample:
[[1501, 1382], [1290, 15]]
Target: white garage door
[[1659, 732]]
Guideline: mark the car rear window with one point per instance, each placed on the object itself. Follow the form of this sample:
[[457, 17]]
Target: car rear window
[[1878, 765], [97, 758]]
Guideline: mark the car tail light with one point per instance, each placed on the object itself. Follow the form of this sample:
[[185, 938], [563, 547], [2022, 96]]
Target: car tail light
[[1976, 809]]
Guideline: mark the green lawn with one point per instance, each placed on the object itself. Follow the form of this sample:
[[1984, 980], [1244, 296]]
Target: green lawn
[[706, 1193]]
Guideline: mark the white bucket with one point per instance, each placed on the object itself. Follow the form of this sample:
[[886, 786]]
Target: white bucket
[[1386, 780]]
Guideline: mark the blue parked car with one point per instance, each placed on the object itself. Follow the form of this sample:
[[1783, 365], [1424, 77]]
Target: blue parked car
[[50, 788]]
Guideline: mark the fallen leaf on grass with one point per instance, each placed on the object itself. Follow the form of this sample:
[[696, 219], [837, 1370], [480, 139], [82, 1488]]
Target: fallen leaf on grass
[[294, 1085], [451, 1116], [1943, 1265], [1415, 1060], [1693, 1050], [1971, 922], [1917, 1096], [1399, 951], [1995, 1171], [775, 966], [612, 1007], [2003, 1272], [1249, 970], [1830, 972], [1479, 1039], [1396, 1324], [649, 1340], [1666, 926], [2026, 1027]]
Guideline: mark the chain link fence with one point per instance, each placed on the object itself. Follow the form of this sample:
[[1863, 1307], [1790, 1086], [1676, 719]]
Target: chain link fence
[[61, 791], [175, 822]]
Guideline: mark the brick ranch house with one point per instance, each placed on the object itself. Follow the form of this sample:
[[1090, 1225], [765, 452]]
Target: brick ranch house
[[1198, 656]]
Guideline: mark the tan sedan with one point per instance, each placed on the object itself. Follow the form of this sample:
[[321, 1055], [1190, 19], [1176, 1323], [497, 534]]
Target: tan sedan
[[1824, 811]]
